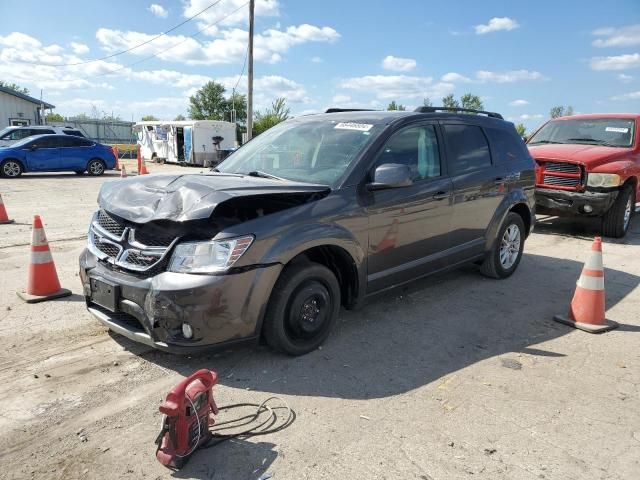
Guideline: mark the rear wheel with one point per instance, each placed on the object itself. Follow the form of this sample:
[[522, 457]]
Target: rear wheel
[[302, 309], [506, 252], [615, 222], [11, 168], [95, 167]]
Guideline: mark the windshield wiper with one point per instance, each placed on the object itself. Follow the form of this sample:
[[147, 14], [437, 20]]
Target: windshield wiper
[[543, 141], [593, 140], [258, 173]]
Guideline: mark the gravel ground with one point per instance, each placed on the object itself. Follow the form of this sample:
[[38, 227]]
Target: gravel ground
[[456, 376]]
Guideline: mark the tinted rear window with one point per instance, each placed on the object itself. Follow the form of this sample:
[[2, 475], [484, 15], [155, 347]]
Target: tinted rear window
[[467, 148], [507, 147], [47, 142], [76, 133]]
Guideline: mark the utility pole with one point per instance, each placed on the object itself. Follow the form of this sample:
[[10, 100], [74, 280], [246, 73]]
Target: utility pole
[[252, 5]]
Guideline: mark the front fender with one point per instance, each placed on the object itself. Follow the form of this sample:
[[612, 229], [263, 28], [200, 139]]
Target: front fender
[[513, 198], [624, 168]]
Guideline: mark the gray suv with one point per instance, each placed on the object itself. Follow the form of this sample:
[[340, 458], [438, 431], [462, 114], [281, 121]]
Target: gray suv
[[319, 212]]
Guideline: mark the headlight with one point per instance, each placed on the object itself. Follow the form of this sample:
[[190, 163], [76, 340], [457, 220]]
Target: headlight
[[603, 180], [208, 257]]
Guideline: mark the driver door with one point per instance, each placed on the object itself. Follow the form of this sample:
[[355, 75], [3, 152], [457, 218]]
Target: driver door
[[409, 226], [43, 154]]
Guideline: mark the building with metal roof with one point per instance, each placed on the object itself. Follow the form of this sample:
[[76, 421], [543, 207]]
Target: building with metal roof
[[16, 108]]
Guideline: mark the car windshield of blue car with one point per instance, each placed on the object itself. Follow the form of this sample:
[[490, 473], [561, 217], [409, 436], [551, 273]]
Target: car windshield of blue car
[[608, 132], [305, 151]]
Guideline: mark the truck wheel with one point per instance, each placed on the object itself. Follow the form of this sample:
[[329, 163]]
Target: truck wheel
[[506, 252], [302, 309], [615, 222]]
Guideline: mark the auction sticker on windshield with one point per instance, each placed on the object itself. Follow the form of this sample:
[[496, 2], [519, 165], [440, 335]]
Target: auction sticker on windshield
[[361, 127], [616, 129]]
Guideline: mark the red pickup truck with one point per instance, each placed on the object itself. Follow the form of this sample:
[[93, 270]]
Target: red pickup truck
[[589, 165]]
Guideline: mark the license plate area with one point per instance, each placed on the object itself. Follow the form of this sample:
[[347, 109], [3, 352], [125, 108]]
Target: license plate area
[[105, 294]]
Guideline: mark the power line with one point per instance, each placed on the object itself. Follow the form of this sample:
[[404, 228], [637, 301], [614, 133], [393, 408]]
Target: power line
[[131, 48], [110, 72]]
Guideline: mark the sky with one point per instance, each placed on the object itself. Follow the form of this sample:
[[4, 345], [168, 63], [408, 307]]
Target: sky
[[521, 58]]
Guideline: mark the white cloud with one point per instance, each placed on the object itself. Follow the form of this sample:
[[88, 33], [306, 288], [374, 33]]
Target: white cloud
[[534, 116], [316, 60], [496, 24], [170, 78], [628, 96], [397, 86], [341, 99], [398, 64], [455, 78], [518, 103], [618, 62], [624, 78], [508, 76], [617, 37], [79, 48], [267, 88], [263, 8], [158, 10], [229, 47]]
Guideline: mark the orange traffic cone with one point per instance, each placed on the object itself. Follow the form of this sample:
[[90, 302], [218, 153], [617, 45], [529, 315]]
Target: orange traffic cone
[[123, 172], [142, 168], [116, 153], [43, 283], [586, 311], [4, 218]]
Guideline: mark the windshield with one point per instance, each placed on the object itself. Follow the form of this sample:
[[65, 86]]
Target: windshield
[[6, 130], [611, 132], [310, 151]]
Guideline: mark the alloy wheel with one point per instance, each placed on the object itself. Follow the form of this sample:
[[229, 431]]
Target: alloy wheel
[[510, 246]]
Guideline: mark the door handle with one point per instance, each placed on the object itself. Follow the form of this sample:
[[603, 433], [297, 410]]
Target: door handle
[[440, 195]]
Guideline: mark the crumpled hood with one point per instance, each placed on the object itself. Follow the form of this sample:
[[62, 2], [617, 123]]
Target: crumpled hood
[[590, 155], [182, 198]]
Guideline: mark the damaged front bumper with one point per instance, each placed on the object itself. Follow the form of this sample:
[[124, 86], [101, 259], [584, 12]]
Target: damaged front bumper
[[220, 309], [561, 202]]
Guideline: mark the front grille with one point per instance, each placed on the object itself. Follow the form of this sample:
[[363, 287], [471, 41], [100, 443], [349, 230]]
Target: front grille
[[124, 319], [562, 175], [139, 249], [110, 224]]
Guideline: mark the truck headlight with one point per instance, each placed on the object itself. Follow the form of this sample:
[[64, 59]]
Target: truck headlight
[[603, 180], [212, 256]]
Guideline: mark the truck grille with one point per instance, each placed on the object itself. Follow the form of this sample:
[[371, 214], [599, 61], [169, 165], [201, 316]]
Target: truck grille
[[560, 175], [130, 248]]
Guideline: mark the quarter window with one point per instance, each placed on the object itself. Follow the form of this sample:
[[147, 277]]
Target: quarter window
[[47, 142], [467, 148], [416, 147], [507, 147]]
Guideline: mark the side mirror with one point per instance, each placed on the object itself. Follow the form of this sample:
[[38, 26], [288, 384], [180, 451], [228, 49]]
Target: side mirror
[[390, 175]]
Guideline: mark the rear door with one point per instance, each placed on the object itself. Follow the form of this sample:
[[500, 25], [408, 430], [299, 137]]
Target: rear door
[[74, 153], [45, 157], [478, 186], [409, 226]]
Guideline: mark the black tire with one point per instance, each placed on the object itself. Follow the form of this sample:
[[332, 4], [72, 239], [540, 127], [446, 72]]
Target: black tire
[[95, 167], [302, 309], [615, 222], [79, 172], [493, 265], [11, 168]]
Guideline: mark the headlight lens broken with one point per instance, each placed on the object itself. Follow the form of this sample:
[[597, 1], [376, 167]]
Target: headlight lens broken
[[213, 256]]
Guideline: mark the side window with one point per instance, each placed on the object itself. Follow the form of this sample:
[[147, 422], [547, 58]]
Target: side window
[[507, 146], [76, 133], [416, 147], [47, 142], [41, 131], [68, 142], [19, 134], [467, 148]]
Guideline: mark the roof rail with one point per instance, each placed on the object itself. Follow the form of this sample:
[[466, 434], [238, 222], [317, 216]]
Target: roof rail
[[457, 109], [337, 110]]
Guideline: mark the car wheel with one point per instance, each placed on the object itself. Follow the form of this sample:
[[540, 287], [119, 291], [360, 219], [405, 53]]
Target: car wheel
[[11, 168], [302, 309], [615, 222], [95, 167], [506, 252]]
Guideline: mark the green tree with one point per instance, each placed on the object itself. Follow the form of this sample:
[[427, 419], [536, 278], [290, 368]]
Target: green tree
[[468, 100], [561, 111], [278, 112], [450, 101], [179, 118], [81, 116], [148, 118], [521, 129], [427, 102], [53, 117], [14, 86], [239, 102], [396, 106]]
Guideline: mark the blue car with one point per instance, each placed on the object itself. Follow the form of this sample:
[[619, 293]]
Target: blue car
[[56, 153]]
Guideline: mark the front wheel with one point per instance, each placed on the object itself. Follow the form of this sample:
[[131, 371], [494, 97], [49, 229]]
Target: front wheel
[[615, 222], [95, 167], [506, 252], [11, 168], [302, 309]]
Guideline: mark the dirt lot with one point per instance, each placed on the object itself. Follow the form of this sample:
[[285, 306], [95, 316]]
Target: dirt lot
[[453, 377]]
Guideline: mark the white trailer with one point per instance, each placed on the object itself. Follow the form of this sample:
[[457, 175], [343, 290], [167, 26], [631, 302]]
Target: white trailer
[[198, 142]]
